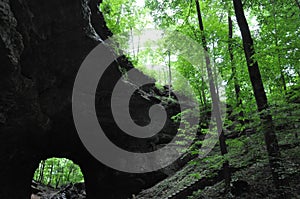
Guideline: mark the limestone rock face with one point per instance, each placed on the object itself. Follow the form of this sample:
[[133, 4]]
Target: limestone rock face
[[42, 45]]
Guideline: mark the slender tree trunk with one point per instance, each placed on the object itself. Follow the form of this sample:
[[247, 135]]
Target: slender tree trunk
[[57, 182], [51, 173], [200, 96], [237, 87], [215, 100], [138, 49], [132, 42], [41, 179], [119, 16], [170, 73], [259, 92], [37, 178], [203, 92], [57, 179], [165, 77], [203, 88], [69, 173], [215, 70]]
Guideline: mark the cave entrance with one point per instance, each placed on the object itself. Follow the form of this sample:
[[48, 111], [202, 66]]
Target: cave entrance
[[58, 178]]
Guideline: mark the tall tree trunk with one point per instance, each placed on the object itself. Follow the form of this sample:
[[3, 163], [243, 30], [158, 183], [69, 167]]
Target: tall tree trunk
[[57, 182], [259, 92], [51, 173], [215, 69], [69, 173], [237, 87], [132, 42], [203, 92], [215, 100], [57, 179], [119, 16], [200, 96], [138, 49], [41, 179], [203, 88], [170, 73]]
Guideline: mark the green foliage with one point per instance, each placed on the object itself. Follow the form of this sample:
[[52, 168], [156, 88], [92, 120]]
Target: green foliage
[[275, 29], [126, 19], [56, 172]]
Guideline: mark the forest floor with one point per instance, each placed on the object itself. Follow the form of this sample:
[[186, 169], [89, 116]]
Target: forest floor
[[70, 191], [256, 181], [251, 174]]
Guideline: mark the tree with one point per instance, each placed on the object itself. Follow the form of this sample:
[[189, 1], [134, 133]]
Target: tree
[[237, 87], [259, 92], [215, 99], [41, 173], [51, 173]]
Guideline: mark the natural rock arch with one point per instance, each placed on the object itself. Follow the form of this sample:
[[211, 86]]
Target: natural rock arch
[[42, 45]]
